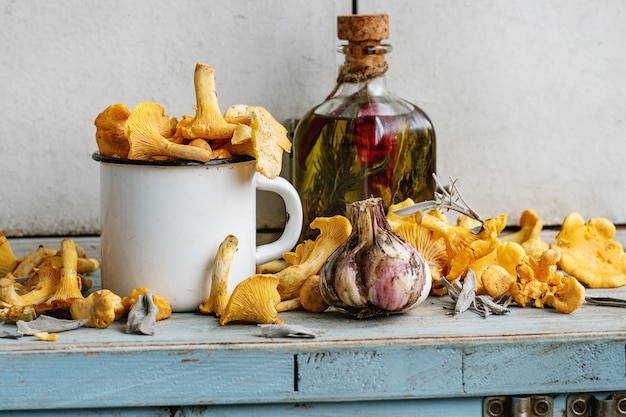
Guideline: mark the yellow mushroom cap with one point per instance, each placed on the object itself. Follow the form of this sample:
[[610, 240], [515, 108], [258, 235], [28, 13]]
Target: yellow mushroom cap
[[8, 261], [433, 249], [253, 300], [112, 131], [100, 308], [589, 252], [147, 123]]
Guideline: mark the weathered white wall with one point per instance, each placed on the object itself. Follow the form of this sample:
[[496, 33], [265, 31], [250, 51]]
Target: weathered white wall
[[528, 97]]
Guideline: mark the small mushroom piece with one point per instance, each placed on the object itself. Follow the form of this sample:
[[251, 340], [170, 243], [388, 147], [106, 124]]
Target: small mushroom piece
[[261, 137], [101, 308], [496, 281], [568, 297], [112, 131], [165, 309], [530, 228], [29, 262], [8, 296], [253, 300], [218, 295], [146, 122], [8, 261], [311, 295], [46, 337]]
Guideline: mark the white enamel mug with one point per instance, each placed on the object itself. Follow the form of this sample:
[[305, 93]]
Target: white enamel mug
[[163, 221]]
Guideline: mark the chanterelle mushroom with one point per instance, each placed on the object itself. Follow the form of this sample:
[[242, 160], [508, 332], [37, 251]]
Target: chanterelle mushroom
[[333, 232], [540, 282], [69, 287], [589, 252], [253, 300], [463, 245], [164, 306], [146, 123], [209, 122], [530, 228], [432, 248], [101, 308], [8, 261], [218, 295], [264, 139], [496, 271], [112, 131]]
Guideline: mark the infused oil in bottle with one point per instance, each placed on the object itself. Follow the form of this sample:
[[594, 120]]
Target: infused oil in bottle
[[362, 141]]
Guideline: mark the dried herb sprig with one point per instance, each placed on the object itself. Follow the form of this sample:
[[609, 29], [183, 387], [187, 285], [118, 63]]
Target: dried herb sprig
[[446, 198], [465, 298], [450, 198]]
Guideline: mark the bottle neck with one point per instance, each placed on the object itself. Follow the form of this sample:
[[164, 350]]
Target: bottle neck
[[364, 61]]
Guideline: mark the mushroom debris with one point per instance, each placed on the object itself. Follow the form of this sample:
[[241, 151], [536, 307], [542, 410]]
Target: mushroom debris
[[44, 280], [147, 133]]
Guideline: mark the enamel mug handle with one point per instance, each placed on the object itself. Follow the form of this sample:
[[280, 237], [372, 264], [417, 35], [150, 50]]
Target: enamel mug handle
[[293, 227]]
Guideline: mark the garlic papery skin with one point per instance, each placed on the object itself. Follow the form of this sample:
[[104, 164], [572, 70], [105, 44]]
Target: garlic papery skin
[[374, 272]]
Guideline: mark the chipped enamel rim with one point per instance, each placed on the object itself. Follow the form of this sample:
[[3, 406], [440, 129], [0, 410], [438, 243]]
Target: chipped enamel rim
[[96, 156]]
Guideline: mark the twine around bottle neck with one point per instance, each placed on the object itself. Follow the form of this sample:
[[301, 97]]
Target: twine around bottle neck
[[363, 62]]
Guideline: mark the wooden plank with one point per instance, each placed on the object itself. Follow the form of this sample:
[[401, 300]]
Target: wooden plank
[[78, 378], [522, 366], [403, 408], [379, 371]]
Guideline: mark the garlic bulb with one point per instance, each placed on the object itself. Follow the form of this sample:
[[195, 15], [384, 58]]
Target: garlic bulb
[[374, 272]]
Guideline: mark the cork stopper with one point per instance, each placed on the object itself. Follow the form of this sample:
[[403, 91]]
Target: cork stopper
[[363, 27]]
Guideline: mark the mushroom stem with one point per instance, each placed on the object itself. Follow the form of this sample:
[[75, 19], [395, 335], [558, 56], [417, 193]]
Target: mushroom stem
[[209, 122], [218, 296], [289, 305]]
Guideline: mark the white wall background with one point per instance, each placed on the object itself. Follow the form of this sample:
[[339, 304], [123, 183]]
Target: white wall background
[[528, 97]]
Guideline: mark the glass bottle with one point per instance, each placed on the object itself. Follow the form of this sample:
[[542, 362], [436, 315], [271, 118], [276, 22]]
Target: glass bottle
[[362, 140]]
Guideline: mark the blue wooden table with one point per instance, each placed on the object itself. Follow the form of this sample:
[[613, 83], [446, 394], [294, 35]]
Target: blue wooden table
[[424, 363]]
